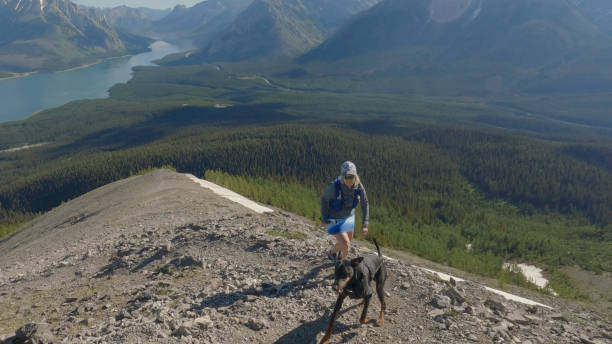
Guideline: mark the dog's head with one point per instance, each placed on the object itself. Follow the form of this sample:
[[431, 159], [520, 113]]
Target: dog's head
[[344, 272]]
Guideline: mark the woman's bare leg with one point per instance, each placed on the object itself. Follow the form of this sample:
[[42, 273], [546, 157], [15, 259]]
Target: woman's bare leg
[[342, 243]]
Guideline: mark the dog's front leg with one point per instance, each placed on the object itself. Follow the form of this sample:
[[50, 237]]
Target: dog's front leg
[[330, 328], [364, 314]]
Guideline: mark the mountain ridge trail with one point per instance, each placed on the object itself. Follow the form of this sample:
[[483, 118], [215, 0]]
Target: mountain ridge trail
[[158, 258]]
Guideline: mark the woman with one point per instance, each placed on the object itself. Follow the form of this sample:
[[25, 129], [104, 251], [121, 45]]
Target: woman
[[338, 205]]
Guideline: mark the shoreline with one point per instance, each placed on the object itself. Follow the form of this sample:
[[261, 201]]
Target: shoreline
[[86, 65], [23, 109], [18, 75], [23, 75]]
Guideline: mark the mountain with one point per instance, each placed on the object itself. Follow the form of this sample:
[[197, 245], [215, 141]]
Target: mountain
[[281, 28], [157, 258], [201, 21], [57, 34], [498, 44], [135, 20]]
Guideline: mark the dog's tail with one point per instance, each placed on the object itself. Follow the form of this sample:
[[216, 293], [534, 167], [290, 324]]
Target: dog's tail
[[377, 248]]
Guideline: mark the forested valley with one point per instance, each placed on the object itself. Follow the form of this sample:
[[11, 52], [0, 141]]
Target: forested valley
[[443, 183]]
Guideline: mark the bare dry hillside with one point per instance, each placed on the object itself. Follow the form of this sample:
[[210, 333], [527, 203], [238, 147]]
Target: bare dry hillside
[[159, 259]]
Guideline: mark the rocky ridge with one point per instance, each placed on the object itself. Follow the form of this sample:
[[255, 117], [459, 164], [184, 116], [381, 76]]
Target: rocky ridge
[[158, 259]]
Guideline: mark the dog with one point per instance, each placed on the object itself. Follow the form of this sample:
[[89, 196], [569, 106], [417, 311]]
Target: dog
[[352, 279]]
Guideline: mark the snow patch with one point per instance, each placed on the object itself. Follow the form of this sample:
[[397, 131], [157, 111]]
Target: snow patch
[[232, 196], [532, 273], [508, 296]]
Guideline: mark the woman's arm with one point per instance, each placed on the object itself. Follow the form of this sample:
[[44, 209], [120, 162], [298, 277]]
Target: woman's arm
[[327, 196], [365, 206]]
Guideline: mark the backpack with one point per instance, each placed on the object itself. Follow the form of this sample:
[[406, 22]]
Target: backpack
[[338, 200]]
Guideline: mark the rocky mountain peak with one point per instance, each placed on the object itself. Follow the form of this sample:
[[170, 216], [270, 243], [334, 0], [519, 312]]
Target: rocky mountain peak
[[160, 259], [33, 31]]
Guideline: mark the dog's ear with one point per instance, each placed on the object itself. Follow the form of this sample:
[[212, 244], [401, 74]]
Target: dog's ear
[[338, 256], [356, 261]]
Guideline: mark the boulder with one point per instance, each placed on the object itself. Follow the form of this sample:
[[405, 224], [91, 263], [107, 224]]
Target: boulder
[[255, 324], [203, 322], [495, 306], [181, 331], [517, 318], [34, 333], [454, 295], [441, 301]]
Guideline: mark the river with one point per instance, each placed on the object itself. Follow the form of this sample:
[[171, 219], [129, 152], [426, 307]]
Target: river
[[22, 96]]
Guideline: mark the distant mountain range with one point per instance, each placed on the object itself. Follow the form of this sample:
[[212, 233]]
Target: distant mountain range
[[58, 34], [280, 28], [522, 33], [421, 46], [482, 45]]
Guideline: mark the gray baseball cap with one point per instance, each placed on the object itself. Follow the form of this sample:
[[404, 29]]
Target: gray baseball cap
[[348, 168]]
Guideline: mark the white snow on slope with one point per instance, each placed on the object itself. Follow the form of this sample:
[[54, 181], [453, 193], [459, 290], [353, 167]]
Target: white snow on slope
[[532, 273], [507, 296], [232, 196]]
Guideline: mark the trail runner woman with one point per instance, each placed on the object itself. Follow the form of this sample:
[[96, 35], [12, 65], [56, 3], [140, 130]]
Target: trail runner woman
[[338, 204]]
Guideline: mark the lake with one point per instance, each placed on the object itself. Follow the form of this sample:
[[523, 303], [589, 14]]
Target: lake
[[20, 97]]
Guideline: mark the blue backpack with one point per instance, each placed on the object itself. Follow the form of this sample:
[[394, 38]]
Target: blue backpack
[[338, 201]]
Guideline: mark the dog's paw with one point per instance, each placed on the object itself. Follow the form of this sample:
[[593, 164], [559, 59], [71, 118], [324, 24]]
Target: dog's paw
[[325, 339], [365, 320], [380, 322]]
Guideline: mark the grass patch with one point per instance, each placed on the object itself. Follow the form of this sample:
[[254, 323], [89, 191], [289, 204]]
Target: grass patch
[[151, 169], [452, 313], [516, 278], [7, 229], [563, 285], [287, 234]]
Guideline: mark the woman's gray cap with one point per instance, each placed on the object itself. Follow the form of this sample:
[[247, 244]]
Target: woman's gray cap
[[349, 168]]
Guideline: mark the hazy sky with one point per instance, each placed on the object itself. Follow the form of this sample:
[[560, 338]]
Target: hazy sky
[[137, 3]]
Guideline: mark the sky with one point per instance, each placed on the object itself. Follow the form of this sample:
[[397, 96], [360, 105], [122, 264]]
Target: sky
[[137, 3]]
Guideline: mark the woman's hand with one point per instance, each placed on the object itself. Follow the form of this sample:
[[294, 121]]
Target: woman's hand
[[364, 231]]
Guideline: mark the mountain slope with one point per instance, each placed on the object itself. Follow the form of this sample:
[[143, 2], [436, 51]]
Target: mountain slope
[[281, 28], [157, 258], [56, 34], [201, 21], [599, 11], [135, 20], [511, 40]]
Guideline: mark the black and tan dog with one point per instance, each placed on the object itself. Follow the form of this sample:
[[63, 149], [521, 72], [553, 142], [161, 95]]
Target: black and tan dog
[[352, 279]]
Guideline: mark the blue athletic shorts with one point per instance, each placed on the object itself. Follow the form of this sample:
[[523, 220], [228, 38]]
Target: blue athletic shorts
[[338, 226]]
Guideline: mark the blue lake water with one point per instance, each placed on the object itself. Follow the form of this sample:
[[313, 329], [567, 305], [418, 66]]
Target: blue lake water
[[20, 97]]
